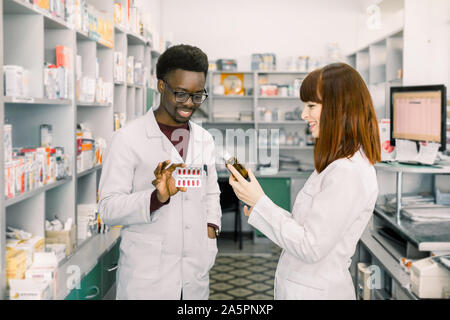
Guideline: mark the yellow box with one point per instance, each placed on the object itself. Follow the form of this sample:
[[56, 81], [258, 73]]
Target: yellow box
[[44, 4], [16, 264]]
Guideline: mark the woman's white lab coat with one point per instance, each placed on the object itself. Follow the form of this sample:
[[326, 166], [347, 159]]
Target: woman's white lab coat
[[169, 250], [319, 238]]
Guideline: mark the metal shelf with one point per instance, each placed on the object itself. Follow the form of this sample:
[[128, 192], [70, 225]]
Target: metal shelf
[[89, 171], [237, 122], [288, 147], [35, 101], [32, 193], [232, 97], [93, 104], [282, 72], [278, 98], [293, 122]]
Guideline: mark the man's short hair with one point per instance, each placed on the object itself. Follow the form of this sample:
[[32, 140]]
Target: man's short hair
[[183, 57]]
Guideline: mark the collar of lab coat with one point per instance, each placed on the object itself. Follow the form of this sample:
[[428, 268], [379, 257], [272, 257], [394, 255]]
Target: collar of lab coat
[[153, 131]]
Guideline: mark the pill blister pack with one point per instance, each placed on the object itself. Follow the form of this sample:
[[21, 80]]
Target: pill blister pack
[[190, 177]]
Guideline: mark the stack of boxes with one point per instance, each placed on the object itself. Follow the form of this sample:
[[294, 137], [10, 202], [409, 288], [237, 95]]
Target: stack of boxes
[[90, 150], [119, 67], [29, 168], [87, 220], [16, 81], [58, 77], [100, 28], [22, 256], [92, 90]]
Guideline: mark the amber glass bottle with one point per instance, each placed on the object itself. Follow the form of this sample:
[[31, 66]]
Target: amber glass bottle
[[237, 165]]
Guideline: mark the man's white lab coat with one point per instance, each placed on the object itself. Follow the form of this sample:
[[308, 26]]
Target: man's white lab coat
[[169, 250]]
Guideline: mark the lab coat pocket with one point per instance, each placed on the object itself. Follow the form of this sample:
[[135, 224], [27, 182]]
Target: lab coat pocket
[[212, 250], [141, 255], [301, 287]]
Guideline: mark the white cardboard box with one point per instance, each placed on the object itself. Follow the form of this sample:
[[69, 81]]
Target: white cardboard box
[[29, 289]]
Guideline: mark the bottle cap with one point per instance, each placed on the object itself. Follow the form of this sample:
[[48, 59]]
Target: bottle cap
[[226, 155]]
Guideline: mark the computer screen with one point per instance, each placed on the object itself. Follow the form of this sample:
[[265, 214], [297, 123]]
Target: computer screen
[[419, 113]]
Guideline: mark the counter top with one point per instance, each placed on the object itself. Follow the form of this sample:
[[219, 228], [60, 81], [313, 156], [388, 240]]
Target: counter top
[[280, 174], [85, 258], [389, 263], [429, 236], [412, 168]]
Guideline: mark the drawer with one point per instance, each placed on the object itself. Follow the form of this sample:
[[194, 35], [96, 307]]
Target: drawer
[[73, 295], [91, 285], [109, 267]]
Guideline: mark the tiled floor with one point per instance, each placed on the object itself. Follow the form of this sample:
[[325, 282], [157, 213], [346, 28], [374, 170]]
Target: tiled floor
[[246, 274]]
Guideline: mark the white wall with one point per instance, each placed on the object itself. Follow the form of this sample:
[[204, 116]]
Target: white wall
[[151, 13], [392, 19], [426, 56], [235, 29]]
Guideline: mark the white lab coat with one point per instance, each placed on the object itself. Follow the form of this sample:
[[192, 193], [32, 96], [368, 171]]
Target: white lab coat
[[319, 238], [167, 251]]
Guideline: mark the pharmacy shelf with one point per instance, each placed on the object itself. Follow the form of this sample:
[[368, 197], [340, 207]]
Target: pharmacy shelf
[[282, 122], [133, 38], [35, 192], [237, 122], [215, 72], [278, 98], [89, 171], [26, 29], [235, 105], [132, 85], [155, 53], [94, 104], [296, 148], [288, 147], [231, 97], [23, 7], [284, 72], [36, 101], [380, 64]]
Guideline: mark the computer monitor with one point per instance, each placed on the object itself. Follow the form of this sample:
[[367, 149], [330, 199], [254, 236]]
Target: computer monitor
[[419, 113]]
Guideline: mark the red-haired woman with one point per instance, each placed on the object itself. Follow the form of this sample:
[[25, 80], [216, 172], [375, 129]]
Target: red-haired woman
[[332, 210]]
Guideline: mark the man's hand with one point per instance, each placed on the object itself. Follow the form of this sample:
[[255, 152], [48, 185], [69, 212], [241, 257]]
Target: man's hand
[[211, 232], [164, 182]]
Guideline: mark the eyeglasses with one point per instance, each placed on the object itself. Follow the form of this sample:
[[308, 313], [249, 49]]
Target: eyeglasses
[[182, 97]]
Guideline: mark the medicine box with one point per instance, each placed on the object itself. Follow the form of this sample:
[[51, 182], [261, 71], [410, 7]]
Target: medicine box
[[13, 78], [16, 263], [30, 289], [69, 238], [10, 189], [7, 142]]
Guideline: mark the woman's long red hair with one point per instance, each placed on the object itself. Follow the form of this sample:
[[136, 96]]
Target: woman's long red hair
[[348, 121]]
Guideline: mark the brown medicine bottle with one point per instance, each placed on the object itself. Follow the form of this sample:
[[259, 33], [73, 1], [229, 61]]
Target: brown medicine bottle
[[238, 166]]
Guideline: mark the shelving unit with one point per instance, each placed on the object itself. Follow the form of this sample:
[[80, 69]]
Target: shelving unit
[[251, 103], [24, 29], [381, 66]]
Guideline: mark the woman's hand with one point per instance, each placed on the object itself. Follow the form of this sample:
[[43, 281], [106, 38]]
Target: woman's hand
[[164, 182], [247, 192]]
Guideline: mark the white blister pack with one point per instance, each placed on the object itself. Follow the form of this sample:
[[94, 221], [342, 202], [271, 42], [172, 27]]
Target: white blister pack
[[189, 177]]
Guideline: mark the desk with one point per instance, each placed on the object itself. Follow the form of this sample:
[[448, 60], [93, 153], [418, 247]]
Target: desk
[[399, 169]]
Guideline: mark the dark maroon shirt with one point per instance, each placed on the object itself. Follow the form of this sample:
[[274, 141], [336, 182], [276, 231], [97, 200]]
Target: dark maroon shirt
[[179, 136]]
